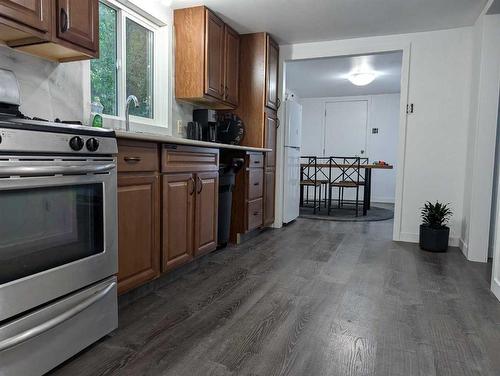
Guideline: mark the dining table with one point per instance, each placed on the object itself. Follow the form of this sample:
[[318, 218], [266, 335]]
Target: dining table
[[368, 167]]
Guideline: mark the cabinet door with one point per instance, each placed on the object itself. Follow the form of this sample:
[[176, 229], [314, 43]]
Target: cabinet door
[[138, 230], [178, 217], [207, 198], [214, 56], [272, 74], [270, 126], [269, 192], [231, 73], [32, 13], [78, 22]]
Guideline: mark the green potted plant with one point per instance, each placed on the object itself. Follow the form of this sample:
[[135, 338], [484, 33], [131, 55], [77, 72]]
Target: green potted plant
[[434, 232]]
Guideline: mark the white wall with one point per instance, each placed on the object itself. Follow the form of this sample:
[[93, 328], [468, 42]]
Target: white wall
[[432, 165], [483, 104], [383, 113]]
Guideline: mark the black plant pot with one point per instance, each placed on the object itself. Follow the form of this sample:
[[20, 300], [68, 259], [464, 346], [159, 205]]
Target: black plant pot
[[434, 239]]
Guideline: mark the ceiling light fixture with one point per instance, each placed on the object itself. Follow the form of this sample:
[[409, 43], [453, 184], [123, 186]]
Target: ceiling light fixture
[[361, 78]]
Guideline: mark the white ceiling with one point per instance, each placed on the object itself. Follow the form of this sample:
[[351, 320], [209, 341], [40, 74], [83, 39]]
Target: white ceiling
[[293, 21], [326, 77]]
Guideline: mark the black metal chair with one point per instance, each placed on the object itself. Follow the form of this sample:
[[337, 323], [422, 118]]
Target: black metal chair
[[345, 172], [309, 179]]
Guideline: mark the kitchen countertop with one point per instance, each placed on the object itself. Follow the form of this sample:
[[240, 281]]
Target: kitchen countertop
[[155, 137]]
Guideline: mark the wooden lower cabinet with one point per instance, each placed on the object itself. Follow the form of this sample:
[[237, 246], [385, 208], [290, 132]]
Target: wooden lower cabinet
[[269, 195], [206, 202], [138, 229], [178, 219], [190, 205]]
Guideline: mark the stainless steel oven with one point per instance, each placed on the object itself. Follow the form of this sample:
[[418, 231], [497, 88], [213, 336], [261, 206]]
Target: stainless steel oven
[[57, 227], [58, 237]]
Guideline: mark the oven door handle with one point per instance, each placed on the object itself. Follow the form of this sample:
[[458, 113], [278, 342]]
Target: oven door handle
[[54, 170], [58, 320]]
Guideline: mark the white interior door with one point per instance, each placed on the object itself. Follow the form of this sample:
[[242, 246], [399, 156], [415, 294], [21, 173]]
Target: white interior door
[[312, 128], [345, 128]]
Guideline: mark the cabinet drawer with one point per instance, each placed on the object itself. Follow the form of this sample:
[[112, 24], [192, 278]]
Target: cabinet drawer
[[255, 160], [137, 156], [254, 212], [255, 183], [189, 159]]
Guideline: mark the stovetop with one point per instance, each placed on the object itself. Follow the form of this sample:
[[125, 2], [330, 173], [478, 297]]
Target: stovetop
[[22, 134], [20, 121]]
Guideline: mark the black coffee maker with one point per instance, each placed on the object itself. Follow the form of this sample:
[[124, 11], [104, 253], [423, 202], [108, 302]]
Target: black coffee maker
[[208, 121]]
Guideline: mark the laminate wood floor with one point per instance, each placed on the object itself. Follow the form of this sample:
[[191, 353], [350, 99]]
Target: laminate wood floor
[[314, 298]]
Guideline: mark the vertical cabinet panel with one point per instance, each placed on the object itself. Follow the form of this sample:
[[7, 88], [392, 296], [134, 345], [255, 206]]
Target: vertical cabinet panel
[[214, 56], [269, 194], [231, 72], [270, 126], [207, 196], [178, 216], [77, 22], [138, 230], [272, 74], [32, 13]]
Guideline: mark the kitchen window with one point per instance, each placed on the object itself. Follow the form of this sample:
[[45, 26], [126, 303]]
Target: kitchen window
[[128, 64]]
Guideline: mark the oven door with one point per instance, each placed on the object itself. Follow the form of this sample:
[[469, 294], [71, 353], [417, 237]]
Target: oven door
[[57, 228]]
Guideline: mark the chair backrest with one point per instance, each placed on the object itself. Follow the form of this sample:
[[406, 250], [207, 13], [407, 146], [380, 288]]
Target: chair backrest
[[345, 169], [308, 168]]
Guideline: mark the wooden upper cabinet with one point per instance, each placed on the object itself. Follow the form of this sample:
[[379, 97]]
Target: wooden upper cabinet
[[206, 59], [232, 56], [272, 61], [32, 13], [60, 30], [138, 229], [258, 88], [178, 219], [214, 56], [207, 197], [78, 22]]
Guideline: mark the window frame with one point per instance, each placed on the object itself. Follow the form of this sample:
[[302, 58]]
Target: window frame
[[160, 83]]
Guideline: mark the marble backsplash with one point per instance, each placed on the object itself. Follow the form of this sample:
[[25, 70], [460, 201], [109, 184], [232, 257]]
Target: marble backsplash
[[48, 89]]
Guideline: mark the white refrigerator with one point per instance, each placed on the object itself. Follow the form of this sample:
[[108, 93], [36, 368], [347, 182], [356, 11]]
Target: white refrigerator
[[291, 188]]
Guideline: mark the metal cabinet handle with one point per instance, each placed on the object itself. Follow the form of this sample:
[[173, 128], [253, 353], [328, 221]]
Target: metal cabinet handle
[[193, 184], [53, 170], [256, 162], [58, 320], [256, 183], [64, 20], [201, 185], [256, 213], [132, 159]]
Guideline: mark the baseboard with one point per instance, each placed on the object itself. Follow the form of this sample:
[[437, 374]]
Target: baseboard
[[383, 200], [410, 237]]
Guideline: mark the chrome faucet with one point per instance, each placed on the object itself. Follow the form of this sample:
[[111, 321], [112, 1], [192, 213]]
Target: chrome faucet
[[130, 98]]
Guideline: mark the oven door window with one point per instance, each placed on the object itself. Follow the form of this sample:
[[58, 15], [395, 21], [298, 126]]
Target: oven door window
[[43, 228]]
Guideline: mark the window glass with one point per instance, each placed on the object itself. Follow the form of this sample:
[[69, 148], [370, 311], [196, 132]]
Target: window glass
[[104, 74], [139, 71]]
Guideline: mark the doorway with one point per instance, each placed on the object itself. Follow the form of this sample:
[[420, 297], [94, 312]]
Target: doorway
[[344, 124]]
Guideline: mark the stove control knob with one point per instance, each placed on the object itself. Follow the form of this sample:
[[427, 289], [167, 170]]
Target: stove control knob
[[92, 144], [76, 143]]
